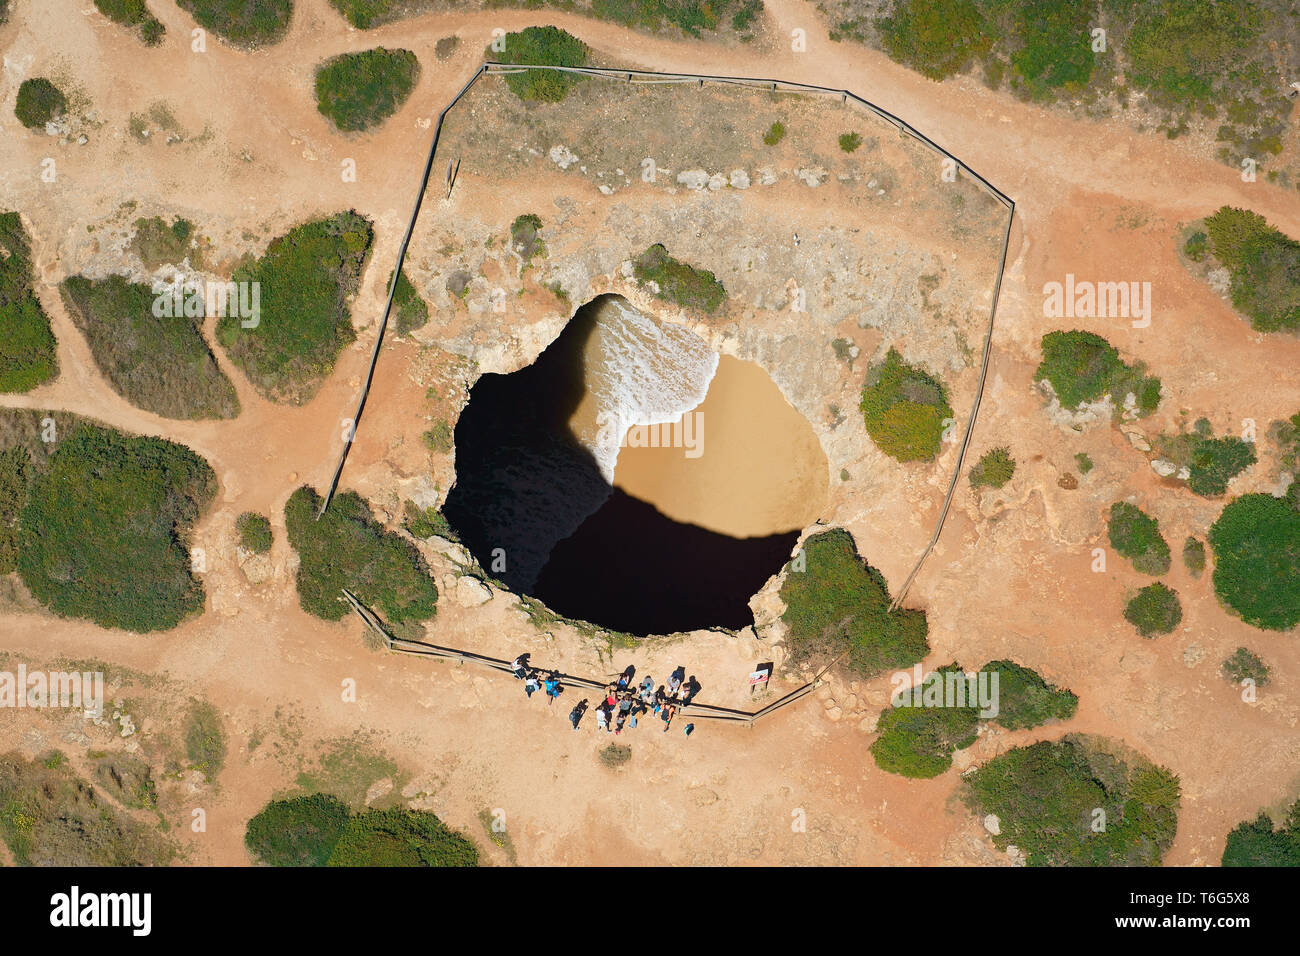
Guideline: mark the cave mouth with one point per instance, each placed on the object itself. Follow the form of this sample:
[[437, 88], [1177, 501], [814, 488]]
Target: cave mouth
[[634, 478]]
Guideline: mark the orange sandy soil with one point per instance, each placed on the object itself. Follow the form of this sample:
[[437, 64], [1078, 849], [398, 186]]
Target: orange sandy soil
[[1010, 576]]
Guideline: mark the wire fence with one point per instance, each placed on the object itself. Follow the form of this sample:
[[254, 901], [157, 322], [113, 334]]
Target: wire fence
[[770, 85]]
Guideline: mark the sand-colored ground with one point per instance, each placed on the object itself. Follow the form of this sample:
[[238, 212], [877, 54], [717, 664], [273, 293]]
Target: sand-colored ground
[[745, 463], [1010, 577]]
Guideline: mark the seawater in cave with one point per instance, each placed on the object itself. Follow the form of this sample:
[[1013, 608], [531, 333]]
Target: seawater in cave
[[633, 478]]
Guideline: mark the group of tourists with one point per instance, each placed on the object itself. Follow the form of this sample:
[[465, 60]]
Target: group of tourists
[[625, 702]]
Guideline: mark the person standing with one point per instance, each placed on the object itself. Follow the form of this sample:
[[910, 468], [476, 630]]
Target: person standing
[[552, 683], [530, 684], [519, 666], [579, 709]]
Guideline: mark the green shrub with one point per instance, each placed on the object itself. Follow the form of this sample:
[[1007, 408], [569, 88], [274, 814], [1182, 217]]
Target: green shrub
[[1264, 265], [993, 470], [850, 141], [918, 741], [134, 13], [1154, 610], [1211, 462], [937, 38], [1259, 844], [158, 244], [1287, 436], [299, 831], [524, 238], [1046, 796], [401, 837], [904, 409], [1197, 246], [1194, 555], [15, 477], [28, 351], [366, 14], [678, 282], [246, 23], [39, 102], [1049, 47], [358, 91], [840, 604], [1256, 545], [1084, 367], [104, 532], [411, 310], [1243, 665], [543, 46], [615, 755], [1025, 700], [306, 279], [159, 363], [425, 523], [205, 740], [348, 548], [254, 532], [775, 133], [439, 438], [1136, 536], [1084, 462]]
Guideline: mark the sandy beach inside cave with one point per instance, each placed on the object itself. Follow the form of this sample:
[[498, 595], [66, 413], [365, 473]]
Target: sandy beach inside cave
[[742, 463]]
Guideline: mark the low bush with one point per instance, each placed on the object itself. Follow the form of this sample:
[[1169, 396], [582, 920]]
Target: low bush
[[1265, 268], [1211, 462], [1025, 700], [1243, 665], [1154, 610], [937, 38], [348, 548], [159, 363], [254, 532], [838, 604], [918, 741], [1197, 246], [1286, 434], [524, 238], [401, 837], [15, 477], [678, 282], [615, 755], [1136, 536], [1084, 462], [39, 102], [1084, 367], [104, 533], [542, 46], [411, 311], [159, 244], [439, 438], [904, 409], [849, 142], [993, 470], [298, 831], [775, 133], [1046, 797], [1260, 844], [1194, 556], [306, 278], [134, 13], [1256, 545], [205, 740], [358, 91], [28, 351], [426, 522], [245, 23]]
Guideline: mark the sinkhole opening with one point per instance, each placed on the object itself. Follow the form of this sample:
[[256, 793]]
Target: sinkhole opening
[[634, 478]]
